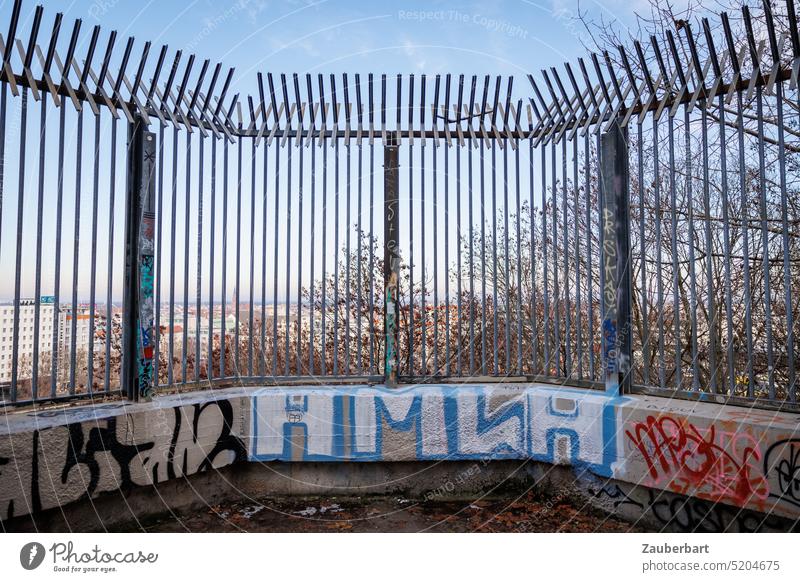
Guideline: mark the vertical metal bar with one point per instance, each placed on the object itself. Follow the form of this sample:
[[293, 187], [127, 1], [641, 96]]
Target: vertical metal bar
[[731, 370], [275, 264], [224, 291], [534, 299], [288, 217], [710, 306], [567, 320], [391, 258], [199, 274], [18, 255], [38, 285], [112, 194], [186, 222], [762, 204], [662, 382], [372, 366], [447, 255], [264, 186], [616, 259], [93, 274], [424, 294], [212, 251], [251, 314], [459, 316], [3, 107], [471, 260], [589, 252], [692, 315], [324, 280], [643, 258], [556, 280], [59, 215], [75, 255], [519, 256], [411, 314], [347, 300], [576, 220], [745, 206], [336, 257], [483, 259], [238, 281], [787, 281], [359, 273], [546, 313], [173, 251], [495, 307], [312, 254], [676, 286], [435, 249], [507, 252], [411, 166], [299, 324]]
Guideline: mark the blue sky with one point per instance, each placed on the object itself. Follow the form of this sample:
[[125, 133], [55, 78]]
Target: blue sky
[[324, 36], [332, 36]]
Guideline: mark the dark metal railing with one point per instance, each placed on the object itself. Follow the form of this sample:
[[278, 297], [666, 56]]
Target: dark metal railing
[[280, 252]]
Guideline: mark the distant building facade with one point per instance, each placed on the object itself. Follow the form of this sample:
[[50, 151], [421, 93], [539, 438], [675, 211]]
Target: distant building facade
[[27, 333]]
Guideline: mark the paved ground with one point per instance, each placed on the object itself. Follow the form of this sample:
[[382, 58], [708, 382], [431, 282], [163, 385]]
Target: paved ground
[[393, 514]]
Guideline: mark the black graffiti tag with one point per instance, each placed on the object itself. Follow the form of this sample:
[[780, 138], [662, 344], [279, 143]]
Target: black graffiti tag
[[782, 461], [100, 440], [226, 441]]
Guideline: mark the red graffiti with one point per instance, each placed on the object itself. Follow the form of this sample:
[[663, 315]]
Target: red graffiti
[[690, 460]]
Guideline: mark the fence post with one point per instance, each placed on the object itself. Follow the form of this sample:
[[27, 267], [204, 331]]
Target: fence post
[[615, 257], [391, 258], [138, 330]]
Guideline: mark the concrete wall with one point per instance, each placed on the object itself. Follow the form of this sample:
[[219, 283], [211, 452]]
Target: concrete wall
[[737, 456], [53, 457], [622, 452]]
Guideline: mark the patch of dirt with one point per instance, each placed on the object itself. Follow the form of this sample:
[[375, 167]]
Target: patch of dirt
[[529, 513]]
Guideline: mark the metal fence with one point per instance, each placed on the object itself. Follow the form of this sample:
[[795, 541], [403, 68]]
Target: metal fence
[[269, 233]]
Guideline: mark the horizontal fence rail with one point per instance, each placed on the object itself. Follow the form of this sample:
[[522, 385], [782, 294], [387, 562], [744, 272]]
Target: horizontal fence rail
[[270, 233]]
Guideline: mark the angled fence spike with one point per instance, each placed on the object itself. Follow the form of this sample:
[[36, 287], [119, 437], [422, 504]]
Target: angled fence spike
[[359, 111]]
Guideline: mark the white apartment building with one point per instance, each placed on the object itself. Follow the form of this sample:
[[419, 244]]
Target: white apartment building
[[27, 334]]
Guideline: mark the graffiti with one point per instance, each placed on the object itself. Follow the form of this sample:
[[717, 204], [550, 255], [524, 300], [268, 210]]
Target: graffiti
[[684, 458], [146, 327], [615, 493], [63, 456], [82, 452], [390, 368], [610, 262], [689, 514], [610, 315], [610, 345], [573, 427], [226, 440], [81, 460], [436, 422], [782, 466]]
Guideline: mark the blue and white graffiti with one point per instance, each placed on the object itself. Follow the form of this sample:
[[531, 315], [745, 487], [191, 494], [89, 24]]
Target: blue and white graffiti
[[433, 422]]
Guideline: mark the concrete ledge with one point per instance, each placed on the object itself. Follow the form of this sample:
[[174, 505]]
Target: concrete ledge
[[52, 457], [721, 456]]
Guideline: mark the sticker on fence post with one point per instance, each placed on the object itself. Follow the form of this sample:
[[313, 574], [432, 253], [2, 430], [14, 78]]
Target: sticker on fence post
[[615, 257], [391, 256]]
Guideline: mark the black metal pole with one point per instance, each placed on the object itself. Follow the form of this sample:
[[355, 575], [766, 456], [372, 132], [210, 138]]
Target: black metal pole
[[138, 305], [391, 254], [615, 237]]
